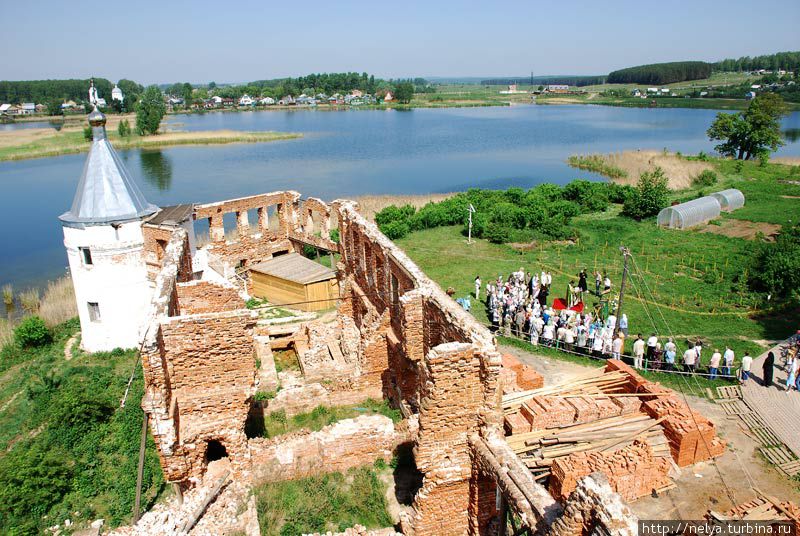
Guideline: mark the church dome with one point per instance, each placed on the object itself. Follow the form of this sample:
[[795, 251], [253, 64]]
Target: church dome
[[97, 118]]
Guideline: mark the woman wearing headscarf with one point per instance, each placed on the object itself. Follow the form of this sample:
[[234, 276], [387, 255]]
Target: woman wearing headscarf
[[769, 363]]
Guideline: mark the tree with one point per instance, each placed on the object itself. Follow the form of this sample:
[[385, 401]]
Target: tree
[[54, 107], [404, 92], [150, 111], [186, 93], [649, 196], [775, 266], [753, 133]]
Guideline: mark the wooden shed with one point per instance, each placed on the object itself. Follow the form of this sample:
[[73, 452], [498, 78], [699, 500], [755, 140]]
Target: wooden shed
[[295, 279]]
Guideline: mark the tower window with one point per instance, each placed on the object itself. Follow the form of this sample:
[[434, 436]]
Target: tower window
[[94, 311], [86, 256]]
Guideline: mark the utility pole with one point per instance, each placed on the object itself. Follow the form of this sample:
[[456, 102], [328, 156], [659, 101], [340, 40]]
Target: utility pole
[[469, 232], [625, 254]]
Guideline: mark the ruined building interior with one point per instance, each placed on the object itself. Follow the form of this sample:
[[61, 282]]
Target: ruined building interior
[[476, 422]]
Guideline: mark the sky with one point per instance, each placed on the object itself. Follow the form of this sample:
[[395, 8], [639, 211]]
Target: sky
[[238, 41]]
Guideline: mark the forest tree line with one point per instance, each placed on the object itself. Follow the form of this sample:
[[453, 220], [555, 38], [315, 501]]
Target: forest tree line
[[786, 61], [578, 81], [661, 73], [44, 91]]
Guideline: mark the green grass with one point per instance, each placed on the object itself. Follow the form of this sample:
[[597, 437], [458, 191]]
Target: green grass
[[285, 360], [65, 445], [276, 423], [695, 278], [597, 164], [330, 502]]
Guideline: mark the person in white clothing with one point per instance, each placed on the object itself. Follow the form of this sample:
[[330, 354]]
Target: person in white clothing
[[689, 359], [728, 357], [638, 352], [616, 348], [747, 362], [477, 287]]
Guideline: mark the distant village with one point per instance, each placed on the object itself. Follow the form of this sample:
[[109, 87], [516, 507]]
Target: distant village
[[353, 98]]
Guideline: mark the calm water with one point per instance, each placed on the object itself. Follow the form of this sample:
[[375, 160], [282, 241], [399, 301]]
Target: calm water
[[343, 154]]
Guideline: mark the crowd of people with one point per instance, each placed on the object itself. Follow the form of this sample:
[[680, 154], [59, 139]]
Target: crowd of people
[[519, 306]]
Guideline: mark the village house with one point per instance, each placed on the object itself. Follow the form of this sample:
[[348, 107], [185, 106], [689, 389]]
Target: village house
[[27, 108], [246, 100]]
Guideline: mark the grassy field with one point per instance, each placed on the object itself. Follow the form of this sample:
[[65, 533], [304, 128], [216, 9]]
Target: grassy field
[[65, 444], [35, 143], [330, 502], [692, 282]]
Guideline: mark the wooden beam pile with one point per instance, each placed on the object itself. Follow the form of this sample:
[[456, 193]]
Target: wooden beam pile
[[764, 508], [540, 448]]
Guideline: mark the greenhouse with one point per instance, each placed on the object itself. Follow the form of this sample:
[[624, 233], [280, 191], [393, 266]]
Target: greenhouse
[[729, 199], [691, 213]]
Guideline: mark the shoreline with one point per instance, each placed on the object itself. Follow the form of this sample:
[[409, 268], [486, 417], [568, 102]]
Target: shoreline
[[41, 143]]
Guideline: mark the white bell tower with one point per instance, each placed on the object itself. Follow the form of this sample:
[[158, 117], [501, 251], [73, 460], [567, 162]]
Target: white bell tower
[[104, 242]]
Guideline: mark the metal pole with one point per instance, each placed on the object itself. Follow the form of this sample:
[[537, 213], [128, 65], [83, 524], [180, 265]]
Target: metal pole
[[469, 233], [625, 254], [142, 444]]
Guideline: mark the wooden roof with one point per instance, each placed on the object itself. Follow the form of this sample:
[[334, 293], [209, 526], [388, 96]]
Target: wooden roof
[[294, 267]]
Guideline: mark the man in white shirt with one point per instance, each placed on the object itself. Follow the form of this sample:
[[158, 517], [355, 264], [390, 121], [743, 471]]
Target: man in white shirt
[[651, 347], [616, 349], [747, 362], [638, 351], [713, 366], [689, 360], [728, 356]]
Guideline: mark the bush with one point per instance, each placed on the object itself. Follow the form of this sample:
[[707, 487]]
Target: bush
[[649, 196], [334, 235], [87, 133], [497, 234], [706, 178], [124, 128], [395, 229], [394, 213], [32, 332], [775, 266]]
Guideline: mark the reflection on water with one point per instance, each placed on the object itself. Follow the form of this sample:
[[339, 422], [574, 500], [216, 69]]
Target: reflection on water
[[156, 169], [792, 134]]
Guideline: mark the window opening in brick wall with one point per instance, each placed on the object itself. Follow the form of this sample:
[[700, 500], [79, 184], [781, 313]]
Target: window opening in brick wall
[[215, 451], [94, 311]]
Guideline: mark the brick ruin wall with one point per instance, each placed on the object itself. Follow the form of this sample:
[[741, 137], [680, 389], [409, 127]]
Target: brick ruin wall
[[196, 297], [337, 447], [415, 345]]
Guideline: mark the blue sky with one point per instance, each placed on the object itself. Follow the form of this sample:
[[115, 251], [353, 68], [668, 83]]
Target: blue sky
[[234, 41]]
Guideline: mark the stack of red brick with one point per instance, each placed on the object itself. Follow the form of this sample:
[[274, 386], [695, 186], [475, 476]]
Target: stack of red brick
[[517, 376], [692, 437], [541, 412], [632, 471]]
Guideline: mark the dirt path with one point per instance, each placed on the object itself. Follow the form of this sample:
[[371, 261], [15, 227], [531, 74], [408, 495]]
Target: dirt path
[[699, 487]]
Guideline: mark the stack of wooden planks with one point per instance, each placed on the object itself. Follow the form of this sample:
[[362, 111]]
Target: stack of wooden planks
[[595, 384], [538, 449]]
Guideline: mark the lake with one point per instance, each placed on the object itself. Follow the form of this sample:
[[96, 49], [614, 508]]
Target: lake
[[344, 153]]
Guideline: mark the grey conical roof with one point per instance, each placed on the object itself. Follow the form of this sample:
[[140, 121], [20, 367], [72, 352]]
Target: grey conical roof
[[106, 192]]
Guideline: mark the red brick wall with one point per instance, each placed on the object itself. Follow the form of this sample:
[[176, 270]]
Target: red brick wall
[[199, 297]]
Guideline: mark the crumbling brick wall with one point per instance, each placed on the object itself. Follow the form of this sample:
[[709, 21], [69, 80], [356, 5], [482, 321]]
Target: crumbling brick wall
[[337, 447], [196, 297], [594, 508]]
